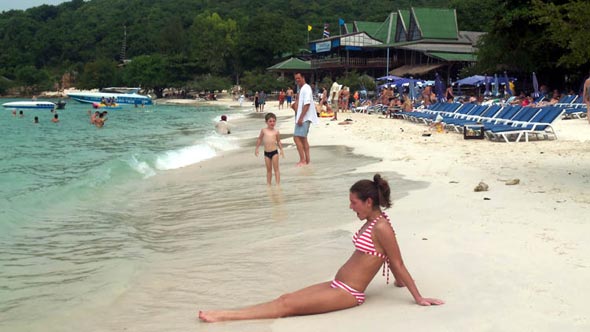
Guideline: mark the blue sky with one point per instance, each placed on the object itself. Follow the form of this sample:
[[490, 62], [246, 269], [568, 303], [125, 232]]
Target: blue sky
[[24, 4]]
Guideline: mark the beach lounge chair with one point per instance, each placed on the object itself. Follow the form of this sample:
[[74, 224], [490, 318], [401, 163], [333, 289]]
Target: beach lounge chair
[[539, 124], [566, 100], [495, 114], [478, 115], [574, 111], [429, 114]]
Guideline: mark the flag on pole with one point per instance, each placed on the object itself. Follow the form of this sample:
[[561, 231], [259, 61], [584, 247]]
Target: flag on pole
[[341, 21], [308, 28], [326, 31]]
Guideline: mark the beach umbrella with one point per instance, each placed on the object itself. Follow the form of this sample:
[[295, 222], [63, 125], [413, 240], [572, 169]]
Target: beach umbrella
[[508, 90], [535, 86], [496, 83], [388, 78], [487, 83], [439, 88], [475, 80]]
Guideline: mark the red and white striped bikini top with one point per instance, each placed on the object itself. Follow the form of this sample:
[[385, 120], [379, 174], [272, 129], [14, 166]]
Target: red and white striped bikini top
[[364, 243]]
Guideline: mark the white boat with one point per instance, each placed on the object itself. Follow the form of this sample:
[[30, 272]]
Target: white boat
[[43, 105], [120, 96]]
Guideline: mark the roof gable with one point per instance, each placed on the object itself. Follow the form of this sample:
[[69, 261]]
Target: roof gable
[[291, 64], [434, 23], [387, 31], [369, 27], [401, 29]]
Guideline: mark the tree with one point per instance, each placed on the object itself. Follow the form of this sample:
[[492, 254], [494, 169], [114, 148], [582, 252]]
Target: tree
[[213, 41], [148, 72], [266, 36], [32, 79], [99, 74], [475, 15], [567, 28], [262, 81]]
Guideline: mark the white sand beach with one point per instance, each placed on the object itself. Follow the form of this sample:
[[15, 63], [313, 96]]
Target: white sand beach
[[513, 258]]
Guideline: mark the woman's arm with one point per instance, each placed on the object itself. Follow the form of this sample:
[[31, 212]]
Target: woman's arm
[[386, 238]]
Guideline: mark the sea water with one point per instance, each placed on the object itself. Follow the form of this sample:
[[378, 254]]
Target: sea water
[[138, 224]]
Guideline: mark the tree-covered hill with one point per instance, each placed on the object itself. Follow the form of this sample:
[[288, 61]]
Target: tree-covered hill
[[184, 38], [188, 42]]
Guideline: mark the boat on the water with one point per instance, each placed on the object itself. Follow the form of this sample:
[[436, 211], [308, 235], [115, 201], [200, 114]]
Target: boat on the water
[[120, 96], [39, 105]]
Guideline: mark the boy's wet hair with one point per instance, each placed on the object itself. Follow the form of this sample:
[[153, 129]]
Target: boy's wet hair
[[269, 116]]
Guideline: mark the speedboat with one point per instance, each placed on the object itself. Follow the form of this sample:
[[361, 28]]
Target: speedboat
[[40, 105], [120, 96]]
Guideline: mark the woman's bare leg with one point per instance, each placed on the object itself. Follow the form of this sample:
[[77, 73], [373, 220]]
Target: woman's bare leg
[[315, 299]]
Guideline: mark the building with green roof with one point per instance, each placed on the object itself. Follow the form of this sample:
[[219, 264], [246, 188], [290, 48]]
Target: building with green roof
[[412, 42]]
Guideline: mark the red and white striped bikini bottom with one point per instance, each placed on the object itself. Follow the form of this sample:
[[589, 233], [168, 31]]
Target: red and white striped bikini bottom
[[360, 296]]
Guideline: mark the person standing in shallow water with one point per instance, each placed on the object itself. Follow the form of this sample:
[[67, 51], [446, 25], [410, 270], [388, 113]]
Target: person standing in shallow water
[[305, 115], [375, 248], [271, 138]]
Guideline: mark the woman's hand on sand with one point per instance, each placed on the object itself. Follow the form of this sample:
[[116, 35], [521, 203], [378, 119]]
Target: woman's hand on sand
[[425, 301]]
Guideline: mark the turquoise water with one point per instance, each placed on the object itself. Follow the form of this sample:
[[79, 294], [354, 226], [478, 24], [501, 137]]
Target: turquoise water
[[56, 178], [47, 163]]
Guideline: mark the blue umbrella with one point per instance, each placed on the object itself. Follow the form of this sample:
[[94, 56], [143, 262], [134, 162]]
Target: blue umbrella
[[496, 83], [508, 90], [535, 86], [474, 80], [487, 82], [388, 78], [439, 88]]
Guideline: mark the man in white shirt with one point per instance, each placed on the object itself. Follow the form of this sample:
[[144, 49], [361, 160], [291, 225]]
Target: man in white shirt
[[305, 115]]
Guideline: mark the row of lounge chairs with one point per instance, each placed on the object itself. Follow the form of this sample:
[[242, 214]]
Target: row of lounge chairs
[[508, 122]]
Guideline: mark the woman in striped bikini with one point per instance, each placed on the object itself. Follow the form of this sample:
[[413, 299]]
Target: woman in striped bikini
[[375, 247]]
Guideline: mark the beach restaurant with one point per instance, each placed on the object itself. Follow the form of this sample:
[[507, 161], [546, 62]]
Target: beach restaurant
[[412, 42]]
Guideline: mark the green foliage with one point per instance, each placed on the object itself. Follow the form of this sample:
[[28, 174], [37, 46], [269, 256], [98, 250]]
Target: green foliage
[[476, 15], [175, 43], [567, 27], [356, 81], [213, 43], [32, 78], [211, 83], [263, 81], [148, 72], [100, 73]]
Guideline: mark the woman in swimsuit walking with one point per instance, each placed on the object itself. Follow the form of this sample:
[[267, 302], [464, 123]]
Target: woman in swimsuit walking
[[272, 140], [375, 247]]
